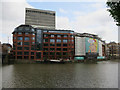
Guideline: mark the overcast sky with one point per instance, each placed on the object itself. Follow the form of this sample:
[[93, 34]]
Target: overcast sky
[[82, 17]]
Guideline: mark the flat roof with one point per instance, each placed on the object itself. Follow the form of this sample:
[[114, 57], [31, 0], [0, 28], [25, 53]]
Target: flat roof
[[39, 10]]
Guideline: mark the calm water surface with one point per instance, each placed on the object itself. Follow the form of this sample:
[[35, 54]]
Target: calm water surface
[[75, 75]]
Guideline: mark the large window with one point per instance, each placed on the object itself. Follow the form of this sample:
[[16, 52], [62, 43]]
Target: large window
[[45, 53], [64, 45], [45, 40], [65, 41], [58, 53], [27, 38], [45, 35], [45, 49], [26, 53], [64, 49], [52, 49], [19, 53], [32, 53], [59, 40], [19, 48], [33, 38], [58, 35], [65, 36], [26, 43], [52, 53], [20, 38], [45, 44], [26, 48], [58, 49], [32, 47], [26, 57], [26, 33], [52, 35], [52, 40], [44, 31], [19, 43], [59, 45], [64, 53], [52, 44]]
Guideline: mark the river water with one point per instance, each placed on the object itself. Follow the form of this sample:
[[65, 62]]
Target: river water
[[104, 74]]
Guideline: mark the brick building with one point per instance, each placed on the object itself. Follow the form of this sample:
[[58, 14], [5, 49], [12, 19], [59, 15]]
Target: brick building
[[113, 49], [39, 43]]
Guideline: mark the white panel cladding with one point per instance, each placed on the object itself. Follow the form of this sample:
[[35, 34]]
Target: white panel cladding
[[79, 46], [100, 48]]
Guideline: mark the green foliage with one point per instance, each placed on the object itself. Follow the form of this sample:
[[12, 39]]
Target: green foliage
[[114, 9]]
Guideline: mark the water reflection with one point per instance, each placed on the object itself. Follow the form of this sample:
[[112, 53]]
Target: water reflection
[[101, 75]]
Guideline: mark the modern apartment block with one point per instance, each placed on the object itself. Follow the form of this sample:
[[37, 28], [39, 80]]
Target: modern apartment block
[[113, 49], [40, 18], [88, 46], [40, 44]]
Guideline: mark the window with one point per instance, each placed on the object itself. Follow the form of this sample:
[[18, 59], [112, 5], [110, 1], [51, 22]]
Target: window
[[33, 38], [19, 53], [19, 43], [64, 49], [33, 42], [52, 40], [64, 41], [26, 33], [52, 35], [45, 49], [19, 48], [32, 53], [64, 53], [45, 53], [45, 44], [20, 38], [58, 40], [58, 53], [32, 29], [26, 48], [58, 35], [33, 33], [32, 47], [26, 53], [26, 43], [65, 45], [45, 40], [58, 49], [19, 57], [52, 49], [52, 53], [26, 57], [14, 37], [44, 31], [65, 36], [38, 55], [72, 40], [26, 38], [52, 44], [45, 35], [32, 57], [58, 45], [71, 36], [19, 33]]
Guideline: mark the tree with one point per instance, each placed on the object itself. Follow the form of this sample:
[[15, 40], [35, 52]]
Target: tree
[[114, 9]]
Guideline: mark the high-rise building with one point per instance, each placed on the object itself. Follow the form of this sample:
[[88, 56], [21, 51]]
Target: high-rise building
[[40, 44], [40, 18]]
